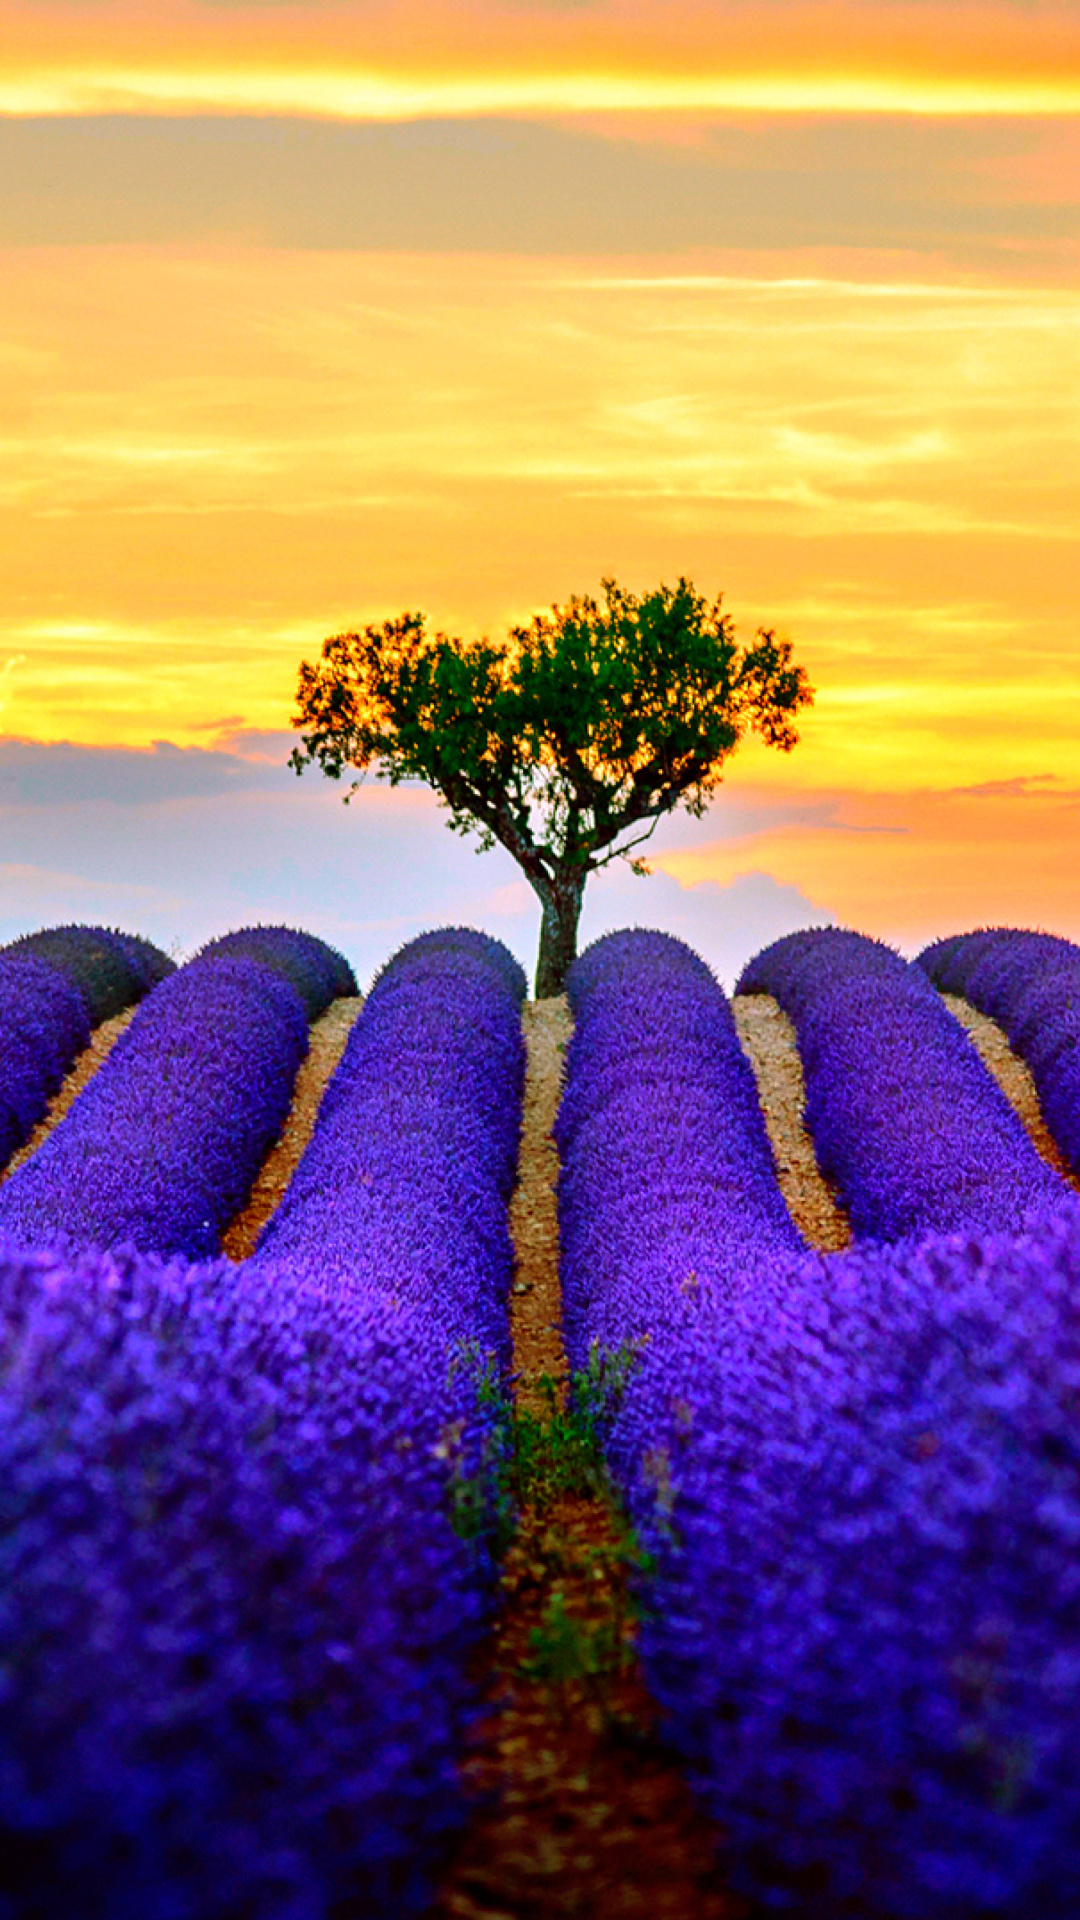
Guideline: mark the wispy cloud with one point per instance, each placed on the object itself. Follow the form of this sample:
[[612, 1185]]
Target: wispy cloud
[[432, 58]]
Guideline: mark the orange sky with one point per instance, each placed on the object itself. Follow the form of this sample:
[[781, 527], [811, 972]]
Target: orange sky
[[445, 56], [261, 378]]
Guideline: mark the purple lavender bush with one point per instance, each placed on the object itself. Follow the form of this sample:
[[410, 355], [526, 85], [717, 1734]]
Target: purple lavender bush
[[906, 1120], [110, 970], [859, 1481], [404, 1185], [251, 1510], [161, 1147], [667, 1185], [1030, 984], [854, 1479], [317, 971], [236, 1615], [44, 1026]]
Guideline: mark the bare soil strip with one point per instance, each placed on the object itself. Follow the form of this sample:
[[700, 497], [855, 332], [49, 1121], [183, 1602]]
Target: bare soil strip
[[102, 1040], [326, 1044], [580, 1809], [769, 1043], [1012, 1076]]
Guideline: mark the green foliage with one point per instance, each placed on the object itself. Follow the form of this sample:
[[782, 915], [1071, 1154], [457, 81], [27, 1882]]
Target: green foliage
[[560, 1452], [593, 719], [528, 1459], [568, 740], [565, 1647]]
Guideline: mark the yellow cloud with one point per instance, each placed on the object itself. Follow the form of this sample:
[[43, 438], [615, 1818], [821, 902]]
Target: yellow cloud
[[217, 457], [437, 59]]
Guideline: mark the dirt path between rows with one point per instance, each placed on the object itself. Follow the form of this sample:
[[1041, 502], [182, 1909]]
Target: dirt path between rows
[[769, 1043], [581, 1811], [1012, 1076], [326, 1043]]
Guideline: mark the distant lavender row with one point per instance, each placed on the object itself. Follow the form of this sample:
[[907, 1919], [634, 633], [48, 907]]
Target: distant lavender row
[[316, 971], [249, 1567], [54, 987], [162, 1146], [668, 1185], [857, 1477], [905, 1118], [1030, 984], [108, 969]]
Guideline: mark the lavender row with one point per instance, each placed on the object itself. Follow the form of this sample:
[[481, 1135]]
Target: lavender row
[[109, 970], [404, 1185], [856, 1477], [250, 1569], [235, 1616], [53, 987], [668, 1186], [1030, 984], [905, 1118], [162, 1146]]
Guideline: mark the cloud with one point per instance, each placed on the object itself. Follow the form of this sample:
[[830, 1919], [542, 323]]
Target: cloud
[[935, 861], [445, 185], [439, 57], [180, 845], [35, 775]]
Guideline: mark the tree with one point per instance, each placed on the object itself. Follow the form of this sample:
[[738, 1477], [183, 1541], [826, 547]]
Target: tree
[[567, 742]]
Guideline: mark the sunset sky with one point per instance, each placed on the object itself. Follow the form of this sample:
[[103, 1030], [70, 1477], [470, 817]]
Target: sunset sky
[[310, 313]]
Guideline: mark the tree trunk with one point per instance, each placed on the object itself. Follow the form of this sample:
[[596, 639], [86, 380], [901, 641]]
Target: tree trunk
[[560, 900]]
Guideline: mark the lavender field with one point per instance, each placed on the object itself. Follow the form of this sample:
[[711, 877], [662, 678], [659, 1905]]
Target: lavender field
[[256, 1512]]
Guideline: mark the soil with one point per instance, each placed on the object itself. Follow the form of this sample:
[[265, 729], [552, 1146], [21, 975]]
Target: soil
[[768, 1040], [326, 1045], [1012, 1076], [580, 1809]]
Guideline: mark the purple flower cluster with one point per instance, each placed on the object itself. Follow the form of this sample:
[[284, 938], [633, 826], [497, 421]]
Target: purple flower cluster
[[236, 1618], [110, 970], [860, 1482], [668, 1185], [404, 1185], [162, 1146], [856, 1476], [44, 1026], [1030, 984], [248, 1509], [905, 1118], [54, 987], [317, 972]]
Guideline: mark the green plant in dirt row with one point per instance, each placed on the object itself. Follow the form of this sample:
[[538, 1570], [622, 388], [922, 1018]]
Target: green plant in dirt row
[[561, 1451], [588, 1644], [566, 742], [528, 1459]]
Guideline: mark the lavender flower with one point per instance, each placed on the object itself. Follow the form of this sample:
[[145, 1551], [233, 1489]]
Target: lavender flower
[[236, 1618], [162, 1146], [405, 1182], [43, 1027], [110, 970], [1030, 984], [318, 972], [668, 1185], [859, 1479], [904, 1116], [856, 1475]]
